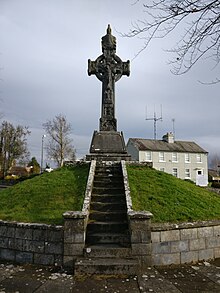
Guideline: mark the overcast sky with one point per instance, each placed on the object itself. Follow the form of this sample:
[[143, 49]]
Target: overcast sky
[[45, 46]]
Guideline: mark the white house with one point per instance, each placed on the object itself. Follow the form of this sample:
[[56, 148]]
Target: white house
[[182, 159]]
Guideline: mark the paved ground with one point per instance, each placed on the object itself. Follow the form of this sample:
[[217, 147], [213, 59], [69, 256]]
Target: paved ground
[[203, 277]]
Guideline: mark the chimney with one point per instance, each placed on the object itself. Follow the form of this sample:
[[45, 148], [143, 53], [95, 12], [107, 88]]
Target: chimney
[[169, 137]]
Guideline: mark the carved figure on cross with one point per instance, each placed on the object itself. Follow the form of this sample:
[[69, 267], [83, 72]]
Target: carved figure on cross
[[108, 68]]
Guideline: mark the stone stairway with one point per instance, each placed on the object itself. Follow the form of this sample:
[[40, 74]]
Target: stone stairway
[[107, 248]]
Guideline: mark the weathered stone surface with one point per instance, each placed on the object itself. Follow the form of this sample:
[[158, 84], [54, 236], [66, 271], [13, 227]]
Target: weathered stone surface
[[73, 226], [55, 235], [39, 234], [24, 257], [7, 231], [189, 256], [145, 261], [73, 249], [212, 242], [108, 68], [7, 254], [217, 252], [178, 246], [44, 259], [216, 231], [155, 236], [161, 247], [74, 237], [171, 235], [166, 259], [205, 232], [140, 236], [54, 248], [141, 249], [33, 246], [206, 254], [196, 244], [75, 215], [190, 233], [68, 261], [3, 242], [23, 233]]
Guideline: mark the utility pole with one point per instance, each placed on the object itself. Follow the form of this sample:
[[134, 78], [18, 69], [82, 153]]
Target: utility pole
[[42, 153]]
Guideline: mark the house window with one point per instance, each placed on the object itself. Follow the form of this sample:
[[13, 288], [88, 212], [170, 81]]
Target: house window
[[187, 173], [174, 157], [187, 158], [175, 172], [199, 158], [148, 156], [200, 172], [161, 157], [162, 169]]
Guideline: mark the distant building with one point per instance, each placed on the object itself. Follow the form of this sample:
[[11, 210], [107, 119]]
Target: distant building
[[214, 175], [19, 171], [182, 159]]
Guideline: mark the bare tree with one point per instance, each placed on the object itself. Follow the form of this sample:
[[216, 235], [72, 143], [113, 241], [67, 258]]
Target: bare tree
[[201, 37], [59, 145], [214, 162], [13, 145]]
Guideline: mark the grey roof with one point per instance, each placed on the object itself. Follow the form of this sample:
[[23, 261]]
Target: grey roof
[[161, 145]]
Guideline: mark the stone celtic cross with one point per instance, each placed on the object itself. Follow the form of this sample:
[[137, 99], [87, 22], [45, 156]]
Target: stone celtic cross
[[108, 68]]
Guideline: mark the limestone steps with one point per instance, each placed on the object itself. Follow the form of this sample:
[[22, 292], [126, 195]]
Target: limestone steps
[[105, 227], [107, 251], [107, 206], [118, 215], [106, 266], [108, 238], [108, 247]]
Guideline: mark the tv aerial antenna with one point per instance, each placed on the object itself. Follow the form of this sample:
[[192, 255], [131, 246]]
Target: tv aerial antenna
[[174, 132], [155, 119]]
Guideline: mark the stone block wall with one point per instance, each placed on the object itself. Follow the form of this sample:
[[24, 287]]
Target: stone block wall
[[185, 243], [31, 243]]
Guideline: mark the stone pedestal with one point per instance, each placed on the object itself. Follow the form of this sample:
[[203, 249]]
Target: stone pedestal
[[140, 229], [108, 146], [74, 236]]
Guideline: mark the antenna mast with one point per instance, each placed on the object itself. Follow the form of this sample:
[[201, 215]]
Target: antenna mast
[[173, 120], [155, 119]]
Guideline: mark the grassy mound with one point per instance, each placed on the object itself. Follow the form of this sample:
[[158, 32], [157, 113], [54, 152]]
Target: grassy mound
[[44, 198], [170, 199]]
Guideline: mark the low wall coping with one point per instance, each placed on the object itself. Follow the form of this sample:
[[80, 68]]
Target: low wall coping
[[30, 225], [183, 225], [140, 215], [75, 215]]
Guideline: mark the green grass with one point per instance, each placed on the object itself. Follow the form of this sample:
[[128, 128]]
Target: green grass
[[170, 199], [44, 198]]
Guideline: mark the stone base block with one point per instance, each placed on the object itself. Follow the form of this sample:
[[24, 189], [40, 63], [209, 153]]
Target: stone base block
[[108, 146]]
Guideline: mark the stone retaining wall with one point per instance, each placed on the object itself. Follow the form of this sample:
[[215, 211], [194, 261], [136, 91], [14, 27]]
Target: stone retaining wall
[[185, 243], [31, 243]]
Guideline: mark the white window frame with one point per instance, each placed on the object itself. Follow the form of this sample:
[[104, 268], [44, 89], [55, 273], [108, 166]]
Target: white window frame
[[187, 158], [148, 156], [162, 169], [199, 158], [161, 157], [175, 157], [187, 173], [200, 170], [175, 172]]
